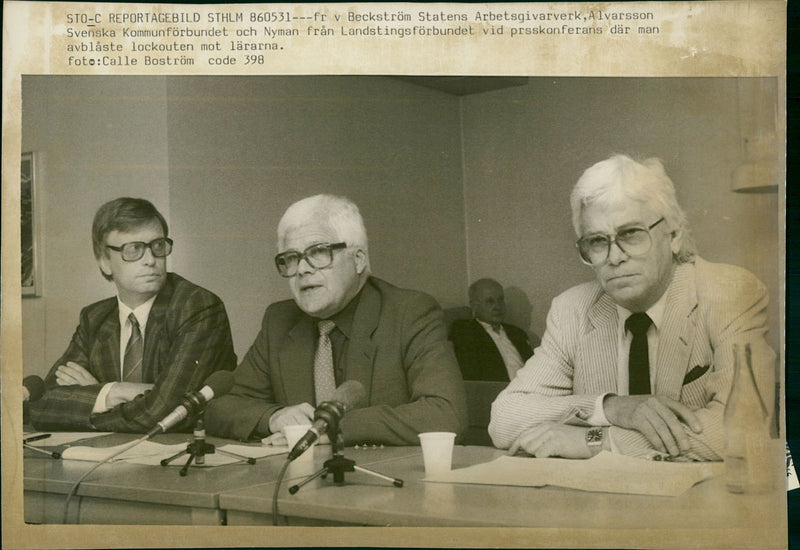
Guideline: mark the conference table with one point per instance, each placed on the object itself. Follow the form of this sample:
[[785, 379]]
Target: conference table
[[242, 494]]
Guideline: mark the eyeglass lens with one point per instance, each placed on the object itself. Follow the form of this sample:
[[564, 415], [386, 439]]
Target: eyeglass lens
[[318, 256], [160, 248], [633, 241]]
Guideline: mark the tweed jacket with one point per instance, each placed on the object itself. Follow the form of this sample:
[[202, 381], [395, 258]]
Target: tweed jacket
[[397, 349], [708, 308], [477, 353], [187, 338]]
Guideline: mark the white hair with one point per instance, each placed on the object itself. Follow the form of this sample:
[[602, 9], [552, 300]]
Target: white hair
[[340, 214], [622, 177]]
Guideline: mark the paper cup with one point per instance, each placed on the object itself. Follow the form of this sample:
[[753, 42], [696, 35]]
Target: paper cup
[[437, 451], [293, 434]]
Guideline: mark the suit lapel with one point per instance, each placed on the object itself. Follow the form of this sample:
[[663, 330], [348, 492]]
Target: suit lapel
[[296, 358], [497, 366], [361, 349], [675, 337], [154, 331], [107, 364], [599, 349]]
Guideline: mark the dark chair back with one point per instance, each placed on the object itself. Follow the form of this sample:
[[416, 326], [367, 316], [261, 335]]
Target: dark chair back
[[480, 396]]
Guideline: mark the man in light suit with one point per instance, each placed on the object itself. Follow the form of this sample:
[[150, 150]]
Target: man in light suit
[[134, 356], [342, 324], [485, 346], [639, 361]]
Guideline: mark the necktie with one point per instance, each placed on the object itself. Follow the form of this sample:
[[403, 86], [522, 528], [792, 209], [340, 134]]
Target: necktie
[[324, 379], [131, 367], [639, 359]]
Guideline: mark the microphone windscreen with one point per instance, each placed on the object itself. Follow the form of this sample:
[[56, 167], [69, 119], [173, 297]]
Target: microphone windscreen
[[35, 386], [221, 382], [350, 394]]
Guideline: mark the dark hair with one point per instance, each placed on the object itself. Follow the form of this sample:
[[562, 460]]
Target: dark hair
[[122, 214]]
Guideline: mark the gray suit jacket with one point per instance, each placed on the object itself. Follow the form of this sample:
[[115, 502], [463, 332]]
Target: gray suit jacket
[[709, 307], [398, 350]]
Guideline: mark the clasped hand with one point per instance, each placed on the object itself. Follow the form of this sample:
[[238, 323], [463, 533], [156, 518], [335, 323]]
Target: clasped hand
[[656, 417], [73, 374], [293, 415]]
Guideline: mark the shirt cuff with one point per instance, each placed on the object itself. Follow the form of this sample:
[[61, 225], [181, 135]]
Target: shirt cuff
[[598, 417], [100, 403]]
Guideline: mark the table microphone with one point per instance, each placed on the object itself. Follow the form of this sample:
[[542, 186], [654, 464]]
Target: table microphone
[[344, 398], [219, 383], [32, 388]]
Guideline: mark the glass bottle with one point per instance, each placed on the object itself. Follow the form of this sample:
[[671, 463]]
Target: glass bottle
[[747, 431]]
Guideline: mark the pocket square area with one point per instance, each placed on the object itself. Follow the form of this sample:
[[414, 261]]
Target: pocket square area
[[695, 373]]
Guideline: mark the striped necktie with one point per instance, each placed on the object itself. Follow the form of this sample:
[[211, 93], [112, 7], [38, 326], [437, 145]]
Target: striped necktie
[[132, 365], [324, 379]]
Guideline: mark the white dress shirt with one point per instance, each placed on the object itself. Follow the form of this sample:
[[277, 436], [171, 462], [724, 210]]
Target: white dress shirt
[[511, 357], [141, 313]]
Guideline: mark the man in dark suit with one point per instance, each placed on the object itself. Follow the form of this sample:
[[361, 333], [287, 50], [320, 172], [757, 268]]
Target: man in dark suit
[[342, 324], [134, 356], [485, 346]]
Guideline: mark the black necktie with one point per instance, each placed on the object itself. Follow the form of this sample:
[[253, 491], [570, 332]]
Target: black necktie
[[638, 359]]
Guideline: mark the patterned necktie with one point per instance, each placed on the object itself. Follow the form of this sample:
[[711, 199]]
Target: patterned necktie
[[131, 366], [638, 359], [324, 380]]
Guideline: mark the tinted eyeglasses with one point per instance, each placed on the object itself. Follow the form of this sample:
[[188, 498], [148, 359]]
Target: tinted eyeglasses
[[318, 256], [134, 251], [633, 241]]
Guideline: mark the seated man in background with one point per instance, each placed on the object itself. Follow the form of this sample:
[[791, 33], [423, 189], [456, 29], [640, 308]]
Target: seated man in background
[[393, 341], [485, 346], [639, 361], [134, 356]]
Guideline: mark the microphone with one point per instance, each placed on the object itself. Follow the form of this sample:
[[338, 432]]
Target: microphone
[[217, 384], [32, 388], [328, 414]]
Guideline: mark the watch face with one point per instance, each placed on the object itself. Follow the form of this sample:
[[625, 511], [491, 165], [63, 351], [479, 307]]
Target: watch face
[[594, 435]]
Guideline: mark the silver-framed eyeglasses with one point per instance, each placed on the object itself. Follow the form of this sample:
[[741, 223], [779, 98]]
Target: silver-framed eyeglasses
[[318, 256], [133, 251], [633, 241]]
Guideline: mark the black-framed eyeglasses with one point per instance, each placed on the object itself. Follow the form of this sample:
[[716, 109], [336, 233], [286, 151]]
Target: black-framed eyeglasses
[[133, 251], [633, 241], [318, 256]]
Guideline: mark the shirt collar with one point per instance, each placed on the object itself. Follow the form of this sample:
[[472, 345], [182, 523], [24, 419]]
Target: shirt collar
[[344, 319], [141, 312], [489, 327], [655, 312]]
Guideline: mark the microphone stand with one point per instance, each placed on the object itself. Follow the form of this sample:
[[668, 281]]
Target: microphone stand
[[198, 449], [338, 464]]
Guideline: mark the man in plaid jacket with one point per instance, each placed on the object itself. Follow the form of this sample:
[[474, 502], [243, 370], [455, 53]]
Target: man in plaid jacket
[[134, 356]]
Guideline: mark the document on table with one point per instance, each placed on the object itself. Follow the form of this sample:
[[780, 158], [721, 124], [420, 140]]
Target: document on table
[[151, 454], [61, 438], [606, 472]]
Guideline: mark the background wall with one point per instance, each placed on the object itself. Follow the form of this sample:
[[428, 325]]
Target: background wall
[[452, 187]]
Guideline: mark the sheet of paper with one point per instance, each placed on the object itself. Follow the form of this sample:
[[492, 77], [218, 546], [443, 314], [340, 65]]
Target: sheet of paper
[[151, 454], [62, 438], [606, 472]]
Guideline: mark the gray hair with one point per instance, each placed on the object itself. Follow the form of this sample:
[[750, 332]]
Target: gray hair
[[338, 213], [622, 177]]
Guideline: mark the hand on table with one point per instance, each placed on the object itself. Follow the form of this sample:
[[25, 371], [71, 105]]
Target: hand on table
[[656, 417], [552, 439], [72, 374], [289, 416], [122, 392]]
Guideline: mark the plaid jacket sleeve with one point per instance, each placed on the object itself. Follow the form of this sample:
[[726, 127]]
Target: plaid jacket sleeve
[[69, 407]]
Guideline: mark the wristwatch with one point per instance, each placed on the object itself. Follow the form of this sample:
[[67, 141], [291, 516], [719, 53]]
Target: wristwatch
[[594, 439]]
